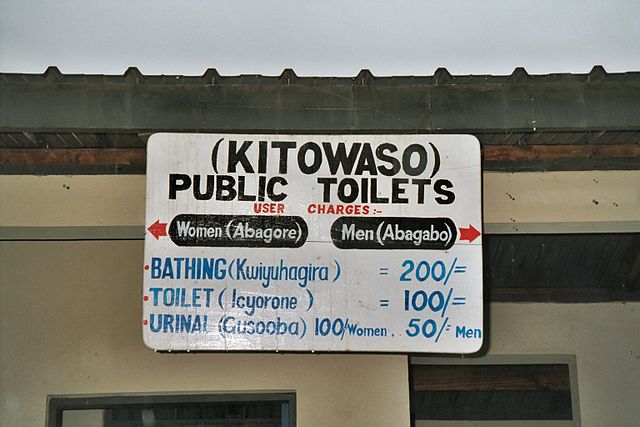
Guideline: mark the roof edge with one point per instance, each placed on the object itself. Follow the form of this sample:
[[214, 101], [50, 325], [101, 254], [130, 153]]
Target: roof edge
[[288, 76]]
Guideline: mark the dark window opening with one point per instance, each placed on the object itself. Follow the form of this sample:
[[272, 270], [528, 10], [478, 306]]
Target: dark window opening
[[188, 410], [491, 392]]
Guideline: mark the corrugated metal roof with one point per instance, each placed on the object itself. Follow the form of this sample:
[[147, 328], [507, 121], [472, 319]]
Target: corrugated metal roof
[[132, 102], [288, 77], [509, 114]]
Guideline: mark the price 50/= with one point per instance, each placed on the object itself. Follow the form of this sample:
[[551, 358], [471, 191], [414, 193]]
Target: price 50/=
[[427, 328]]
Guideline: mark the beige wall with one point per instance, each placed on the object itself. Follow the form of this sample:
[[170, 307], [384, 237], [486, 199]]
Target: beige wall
[[70, 317], [512, 201], [70, 314], [605, 339], [71, 323]]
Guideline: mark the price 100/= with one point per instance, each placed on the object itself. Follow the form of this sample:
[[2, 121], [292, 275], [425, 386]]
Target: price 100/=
[[420, 300]]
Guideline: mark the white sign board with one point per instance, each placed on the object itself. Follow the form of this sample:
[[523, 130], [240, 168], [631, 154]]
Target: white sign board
[[364, 243]]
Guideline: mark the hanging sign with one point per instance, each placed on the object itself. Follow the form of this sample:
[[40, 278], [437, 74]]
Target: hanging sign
[[368, 243]]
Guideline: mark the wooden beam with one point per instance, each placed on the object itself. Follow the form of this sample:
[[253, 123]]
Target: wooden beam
[[73, 156], [137, 156], [489, 377], [550, 152]]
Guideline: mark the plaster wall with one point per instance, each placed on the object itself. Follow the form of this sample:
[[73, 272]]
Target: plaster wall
[[70, 311], [71, 323]]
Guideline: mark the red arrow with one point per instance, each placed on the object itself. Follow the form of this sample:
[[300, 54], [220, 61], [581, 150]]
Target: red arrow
[[158, 229], [469, 234]]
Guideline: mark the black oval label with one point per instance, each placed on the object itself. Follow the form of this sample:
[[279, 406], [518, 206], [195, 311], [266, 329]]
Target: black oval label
[[393, 233], [252, 231]]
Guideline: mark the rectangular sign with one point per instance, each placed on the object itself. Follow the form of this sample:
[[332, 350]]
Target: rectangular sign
[[366, 243]]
